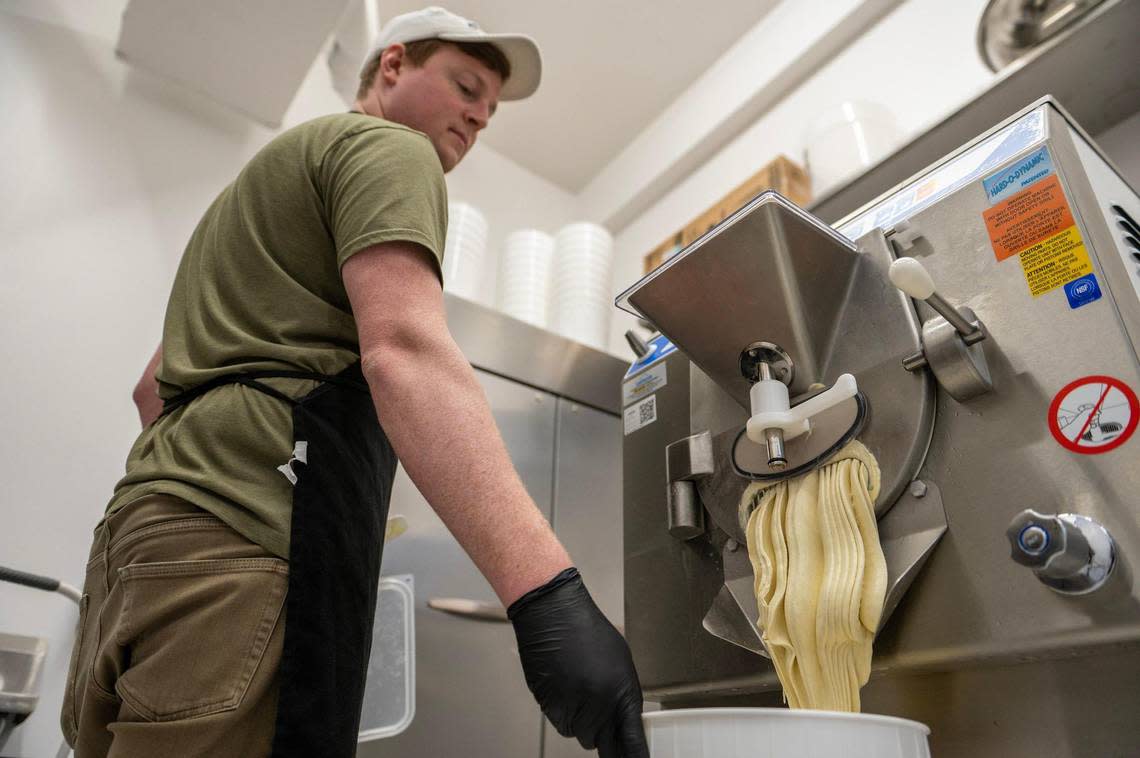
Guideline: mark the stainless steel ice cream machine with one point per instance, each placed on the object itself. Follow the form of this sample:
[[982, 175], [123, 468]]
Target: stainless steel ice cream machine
[[977, 328]]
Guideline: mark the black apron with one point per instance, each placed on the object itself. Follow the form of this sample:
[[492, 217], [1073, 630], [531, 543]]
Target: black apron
[[340, 508]]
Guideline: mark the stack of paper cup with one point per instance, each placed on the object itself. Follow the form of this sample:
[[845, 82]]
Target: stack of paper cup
[[524, 278], [583, 257], [465, 252]]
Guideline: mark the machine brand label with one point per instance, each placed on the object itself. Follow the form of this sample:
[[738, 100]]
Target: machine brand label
[[1017, 176], [640, 414], [645, 383], [1037, 225], [1093, 415]]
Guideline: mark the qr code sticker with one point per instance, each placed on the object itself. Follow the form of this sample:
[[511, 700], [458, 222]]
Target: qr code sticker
[[648, 413], [640, 414]]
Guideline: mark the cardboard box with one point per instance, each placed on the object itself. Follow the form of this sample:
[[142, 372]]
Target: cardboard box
[[782, 175], [658, 255]]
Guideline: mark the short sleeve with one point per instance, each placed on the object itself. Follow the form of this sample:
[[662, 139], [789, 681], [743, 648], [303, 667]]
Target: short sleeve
[[384, 184]]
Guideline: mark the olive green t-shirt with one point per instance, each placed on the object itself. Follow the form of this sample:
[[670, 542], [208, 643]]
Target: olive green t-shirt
[[259, 288]]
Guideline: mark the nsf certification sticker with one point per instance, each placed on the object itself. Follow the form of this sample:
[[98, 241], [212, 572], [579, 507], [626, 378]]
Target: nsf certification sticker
[[1093, 415], [1082, 291]]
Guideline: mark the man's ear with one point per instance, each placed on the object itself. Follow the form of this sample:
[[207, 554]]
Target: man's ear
[[392, 63]]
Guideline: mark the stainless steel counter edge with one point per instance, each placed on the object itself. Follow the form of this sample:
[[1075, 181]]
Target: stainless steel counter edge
[[1092, 73], [513, 349]]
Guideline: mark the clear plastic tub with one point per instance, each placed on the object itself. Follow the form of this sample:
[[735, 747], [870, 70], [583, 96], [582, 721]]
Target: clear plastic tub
[[779, 733], [390, 689]]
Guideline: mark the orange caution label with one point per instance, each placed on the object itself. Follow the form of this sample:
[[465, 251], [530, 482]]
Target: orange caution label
[[1037, 225], [1028, 217]]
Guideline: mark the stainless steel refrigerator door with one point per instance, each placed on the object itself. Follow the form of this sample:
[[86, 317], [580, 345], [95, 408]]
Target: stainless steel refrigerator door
[[471, 698], [588, 520]]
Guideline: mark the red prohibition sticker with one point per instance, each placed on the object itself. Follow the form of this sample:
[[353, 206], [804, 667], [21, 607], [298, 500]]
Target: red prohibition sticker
[[1094, 415]]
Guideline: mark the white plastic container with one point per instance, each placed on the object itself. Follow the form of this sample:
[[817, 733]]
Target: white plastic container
[[525, 276], [846, 141], [581, 283], [465, 251], [782, 733]]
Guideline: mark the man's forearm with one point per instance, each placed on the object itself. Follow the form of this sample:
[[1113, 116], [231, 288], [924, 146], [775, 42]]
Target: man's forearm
[[146, 391], [436, 415]]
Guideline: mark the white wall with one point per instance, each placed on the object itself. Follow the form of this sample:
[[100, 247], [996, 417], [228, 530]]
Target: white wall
[[765, 64], [105, 173], [1122, 144], [919, 61]]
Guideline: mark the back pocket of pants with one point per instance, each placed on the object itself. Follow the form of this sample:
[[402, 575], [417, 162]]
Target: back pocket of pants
[[80, 661], [195, 632]]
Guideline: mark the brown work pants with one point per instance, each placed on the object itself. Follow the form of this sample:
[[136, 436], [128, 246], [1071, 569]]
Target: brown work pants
[[179, 638]]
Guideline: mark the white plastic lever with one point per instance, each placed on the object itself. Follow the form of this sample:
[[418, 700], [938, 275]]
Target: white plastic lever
[[910, 276], [770, 407]]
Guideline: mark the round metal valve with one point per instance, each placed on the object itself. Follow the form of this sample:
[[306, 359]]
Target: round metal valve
[[1069, 553], [1033, 540]]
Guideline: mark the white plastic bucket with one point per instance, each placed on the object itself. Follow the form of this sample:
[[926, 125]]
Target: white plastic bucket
[[782, 733]]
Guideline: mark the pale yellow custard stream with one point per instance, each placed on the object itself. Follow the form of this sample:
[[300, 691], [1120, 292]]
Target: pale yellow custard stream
[[820, 577]]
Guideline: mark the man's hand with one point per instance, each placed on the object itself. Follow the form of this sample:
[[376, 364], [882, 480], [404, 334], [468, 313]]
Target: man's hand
[[579, 668], [146, 392]]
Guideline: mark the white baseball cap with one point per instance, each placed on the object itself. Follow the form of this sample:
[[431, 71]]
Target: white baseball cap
[[438, 23]]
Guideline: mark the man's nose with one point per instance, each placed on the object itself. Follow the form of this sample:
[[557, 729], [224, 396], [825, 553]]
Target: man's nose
[[479, 114]]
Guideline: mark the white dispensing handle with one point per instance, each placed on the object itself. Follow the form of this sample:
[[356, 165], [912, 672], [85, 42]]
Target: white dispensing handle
[[770, 408], [910, 276]]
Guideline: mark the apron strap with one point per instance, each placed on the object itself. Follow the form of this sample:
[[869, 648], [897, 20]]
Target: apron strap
[[249, 379]]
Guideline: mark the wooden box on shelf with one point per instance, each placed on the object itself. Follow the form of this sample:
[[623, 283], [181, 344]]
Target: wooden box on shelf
[[782, 175]]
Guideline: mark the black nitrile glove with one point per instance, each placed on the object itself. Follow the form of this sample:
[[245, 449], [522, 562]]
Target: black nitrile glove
[[579, 667]]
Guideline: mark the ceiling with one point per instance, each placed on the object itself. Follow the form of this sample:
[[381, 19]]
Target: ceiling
[[609, 68]]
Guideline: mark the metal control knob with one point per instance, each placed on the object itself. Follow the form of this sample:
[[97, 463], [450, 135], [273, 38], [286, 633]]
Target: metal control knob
[[1069, 553], [639, 346]]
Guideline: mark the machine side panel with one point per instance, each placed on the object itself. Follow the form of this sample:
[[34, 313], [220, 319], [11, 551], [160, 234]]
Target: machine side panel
[[994, 456], [1101, 187], [669, 584]]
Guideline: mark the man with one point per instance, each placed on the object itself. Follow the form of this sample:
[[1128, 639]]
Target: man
[[230, 593]]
